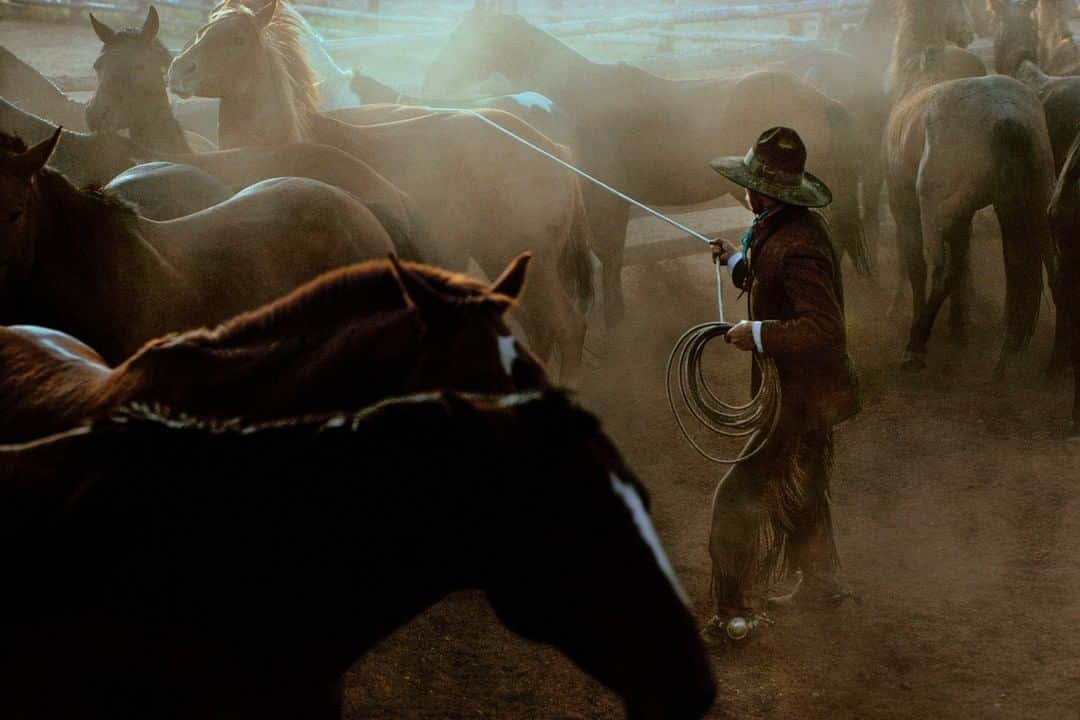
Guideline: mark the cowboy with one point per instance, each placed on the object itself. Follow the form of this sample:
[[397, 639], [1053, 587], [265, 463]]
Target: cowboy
[[771, 514]]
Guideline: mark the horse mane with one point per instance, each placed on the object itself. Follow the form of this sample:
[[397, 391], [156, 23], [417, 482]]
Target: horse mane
[[335, 299], [292, 75], [446, 406]]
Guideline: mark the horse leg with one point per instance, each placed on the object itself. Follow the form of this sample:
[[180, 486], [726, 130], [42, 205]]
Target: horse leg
[[909, 241], [960, 305], [609, 217], [847, 221], [1023, 279], [555, 322], [950, 240]]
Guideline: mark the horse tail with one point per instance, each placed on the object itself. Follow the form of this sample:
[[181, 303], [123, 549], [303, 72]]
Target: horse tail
[[575, 256], [1018, 206], [845, 212]]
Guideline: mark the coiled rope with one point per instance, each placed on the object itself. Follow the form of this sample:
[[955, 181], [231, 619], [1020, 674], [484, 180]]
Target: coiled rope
[[757, 418]]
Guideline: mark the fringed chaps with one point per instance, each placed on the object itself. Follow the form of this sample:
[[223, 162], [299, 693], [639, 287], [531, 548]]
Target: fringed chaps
[[771, 516]]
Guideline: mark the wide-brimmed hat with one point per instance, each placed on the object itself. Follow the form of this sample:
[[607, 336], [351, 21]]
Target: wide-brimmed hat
[[776, 167]]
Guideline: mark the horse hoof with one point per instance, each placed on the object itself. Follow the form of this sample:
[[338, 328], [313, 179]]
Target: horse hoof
[[913, 362]]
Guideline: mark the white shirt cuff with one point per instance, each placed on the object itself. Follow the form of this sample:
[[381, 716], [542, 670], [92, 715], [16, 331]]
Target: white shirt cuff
[[755, 328], [733, 261]]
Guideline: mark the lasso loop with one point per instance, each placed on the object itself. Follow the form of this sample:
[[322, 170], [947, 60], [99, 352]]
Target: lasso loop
[[756, 419]]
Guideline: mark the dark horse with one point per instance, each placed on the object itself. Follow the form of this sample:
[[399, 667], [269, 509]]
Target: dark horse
[[955, 147], [131, 95], [160, 566], [1065, 229], [346, 339], [84, 159], [84, 263], [649, 136], [490, 197]]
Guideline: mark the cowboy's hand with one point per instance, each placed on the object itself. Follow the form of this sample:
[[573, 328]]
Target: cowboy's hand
[[722, 250], [741, 336]]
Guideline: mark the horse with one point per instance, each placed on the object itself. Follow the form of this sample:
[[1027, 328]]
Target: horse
[[854, 74], [22, 85], [349, 338], [532, 107], [85, 159], [1064, 216], [1016, 48], [648, 136], [85, 263], [190, 567], [166, 191], [1058, 52], [489, 196], [130, 93], [953, 148]]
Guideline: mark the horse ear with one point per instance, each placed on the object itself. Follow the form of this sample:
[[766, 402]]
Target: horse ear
[[105, 33], [27, 164], [416, 289], [512, 281], [151, 26], [266, 14]]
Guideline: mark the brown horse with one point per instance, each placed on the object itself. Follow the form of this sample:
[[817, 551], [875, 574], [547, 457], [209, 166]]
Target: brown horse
[[25, 87], [1058, 51], [648, 136], [84, 159], [1016, 47], [855, 73], [955, 147], [346, 339], [1065, 226], [130, 93], [86, 264], [162, 566], [489, 196]]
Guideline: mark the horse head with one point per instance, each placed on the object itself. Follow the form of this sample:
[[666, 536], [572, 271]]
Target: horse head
[[572, 558], [130, 74], [20, 168], [958, 22], [345, 339], [223, 56], [484, 43], [1016, 37]]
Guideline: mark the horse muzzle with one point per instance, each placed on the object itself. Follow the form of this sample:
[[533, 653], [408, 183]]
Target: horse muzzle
[[181, 77]]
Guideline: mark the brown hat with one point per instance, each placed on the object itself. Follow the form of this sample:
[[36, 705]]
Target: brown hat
[[776, 167]]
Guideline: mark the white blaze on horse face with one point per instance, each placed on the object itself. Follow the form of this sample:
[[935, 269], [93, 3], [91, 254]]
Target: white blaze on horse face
[[508, 353], [648, 533]]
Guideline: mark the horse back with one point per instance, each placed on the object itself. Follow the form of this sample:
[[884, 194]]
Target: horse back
[[265, 241], [50, 382]]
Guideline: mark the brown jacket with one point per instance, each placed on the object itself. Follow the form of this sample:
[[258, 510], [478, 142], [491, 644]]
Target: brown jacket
[[796, 291]]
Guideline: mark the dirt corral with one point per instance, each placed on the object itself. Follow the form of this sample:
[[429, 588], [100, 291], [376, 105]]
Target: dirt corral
[[957, 504]]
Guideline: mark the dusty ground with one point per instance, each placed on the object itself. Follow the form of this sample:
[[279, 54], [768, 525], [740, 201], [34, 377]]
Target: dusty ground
[[957, 503]]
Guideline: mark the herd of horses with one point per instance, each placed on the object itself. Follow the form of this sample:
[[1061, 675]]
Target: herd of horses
[[257, 419]]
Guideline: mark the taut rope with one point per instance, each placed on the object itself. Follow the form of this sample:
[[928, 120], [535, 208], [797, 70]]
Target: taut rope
[[757, 418]]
